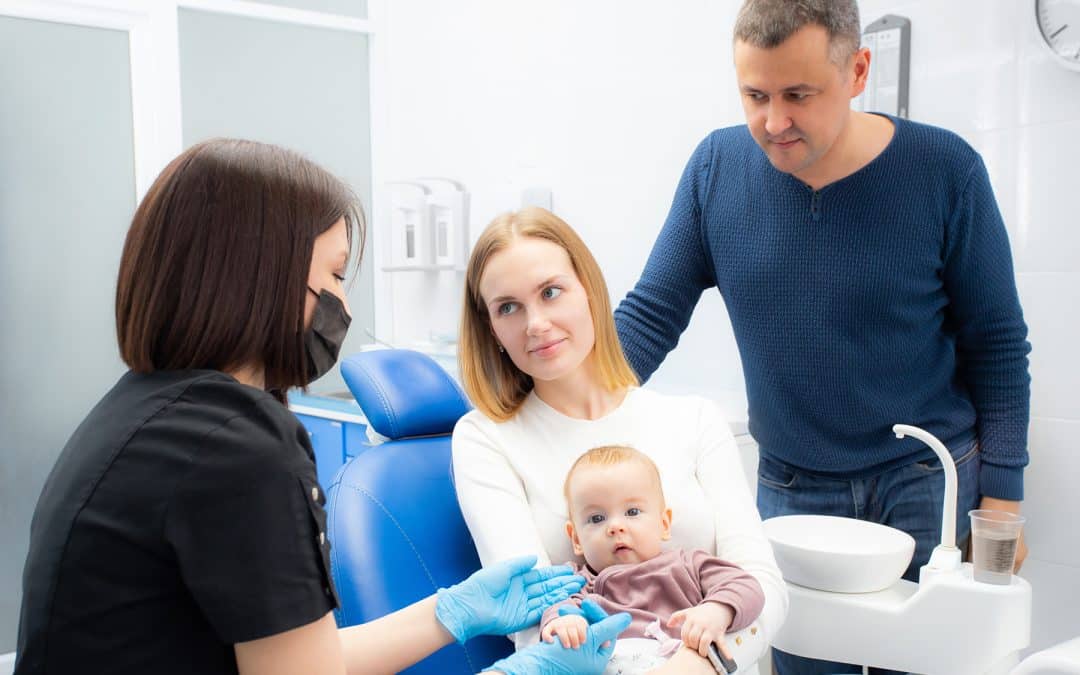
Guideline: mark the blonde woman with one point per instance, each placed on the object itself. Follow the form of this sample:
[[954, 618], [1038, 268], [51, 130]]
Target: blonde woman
[[541, 361]]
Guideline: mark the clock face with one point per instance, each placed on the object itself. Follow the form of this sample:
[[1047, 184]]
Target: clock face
[[1059, 23]]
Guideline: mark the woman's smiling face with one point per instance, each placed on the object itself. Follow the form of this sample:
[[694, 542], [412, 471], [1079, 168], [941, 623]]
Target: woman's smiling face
[[538, 308]]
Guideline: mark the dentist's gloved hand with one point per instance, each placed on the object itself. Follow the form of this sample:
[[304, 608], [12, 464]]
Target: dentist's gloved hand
[[503, 598], [590, 609], [551, 658]]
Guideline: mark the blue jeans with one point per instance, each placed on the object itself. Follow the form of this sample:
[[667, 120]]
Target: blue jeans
[[908, 498]]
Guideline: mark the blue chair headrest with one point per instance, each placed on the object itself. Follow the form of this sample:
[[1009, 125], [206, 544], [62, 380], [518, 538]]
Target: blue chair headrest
[[404, 393]]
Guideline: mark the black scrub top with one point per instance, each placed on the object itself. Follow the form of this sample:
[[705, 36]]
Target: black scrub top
[[183, 516]]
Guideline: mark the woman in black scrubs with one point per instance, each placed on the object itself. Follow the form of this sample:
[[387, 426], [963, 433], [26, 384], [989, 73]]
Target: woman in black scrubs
[[182, 529]]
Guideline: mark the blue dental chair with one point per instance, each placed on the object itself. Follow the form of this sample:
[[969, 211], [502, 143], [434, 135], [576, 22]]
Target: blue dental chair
[[396, 530]]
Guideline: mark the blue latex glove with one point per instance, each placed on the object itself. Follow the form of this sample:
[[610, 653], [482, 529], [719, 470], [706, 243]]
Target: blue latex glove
[[551, 658], [588, 609], [503, 598]]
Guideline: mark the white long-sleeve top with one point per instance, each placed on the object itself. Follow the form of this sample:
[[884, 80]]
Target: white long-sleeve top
[[510, 475]]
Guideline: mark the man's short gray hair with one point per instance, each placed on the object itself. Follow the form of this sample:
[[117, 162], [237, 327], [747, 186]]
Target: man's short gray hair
[[767, 23]]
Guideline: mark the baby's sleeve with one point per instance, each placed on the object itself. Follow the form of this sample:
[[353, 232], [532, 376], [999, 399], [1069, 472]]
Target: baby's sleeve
[[726, 582]]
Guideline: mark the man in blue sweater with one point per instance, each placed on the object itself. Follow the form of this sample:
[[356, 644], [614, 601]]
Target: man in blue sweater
[[868, 277]]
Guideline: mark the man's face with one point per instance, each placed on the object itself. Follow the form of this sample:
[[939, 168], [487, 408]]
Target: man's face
[[797, 100]]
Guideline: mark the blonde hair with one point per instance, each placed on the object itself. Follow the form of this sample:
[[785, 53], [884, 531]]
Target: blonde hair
[[610, 455], [494, 384]]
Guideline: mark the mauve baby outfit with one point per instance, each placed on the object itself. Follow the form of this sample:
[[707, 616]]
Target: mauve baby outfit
[[655, 589]]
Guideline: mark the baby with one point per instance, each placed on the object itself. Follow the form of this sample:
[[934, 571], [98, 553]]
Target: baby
[[618, 522]]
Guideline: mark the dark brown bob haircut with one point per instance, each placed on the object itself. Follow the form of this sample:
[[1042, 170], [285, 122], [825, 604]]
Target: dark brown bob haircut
[[215, 265]]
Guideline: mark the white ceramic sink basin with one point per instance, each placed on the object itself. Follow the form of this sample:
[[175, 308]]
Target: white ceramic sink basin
[[842, 555]]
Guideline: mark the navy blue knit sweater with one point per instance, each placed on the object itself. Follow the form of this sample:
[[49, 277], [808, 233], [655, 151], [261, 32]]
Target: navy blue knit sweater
[[885, 297]]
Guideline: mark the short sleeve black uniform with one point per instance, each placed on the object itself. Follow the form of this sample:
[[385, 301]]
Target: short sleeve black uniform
[[183, 516]]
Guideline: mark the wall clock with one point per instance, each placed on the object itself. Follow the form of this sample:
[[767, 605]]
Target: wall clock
[[1059, 27]]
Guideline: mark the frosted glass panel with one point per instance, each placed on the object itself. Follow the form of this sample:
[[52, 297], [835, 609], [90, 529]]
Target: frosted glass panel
[[353, 8], [67, 194], [301, 87]]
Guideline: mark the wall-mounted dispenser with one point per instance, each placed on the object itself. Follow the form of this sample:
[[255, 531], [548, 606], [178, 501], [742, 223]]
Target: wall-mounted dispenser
[[429, 224], [889, 41], [410, 225], [448, 201]]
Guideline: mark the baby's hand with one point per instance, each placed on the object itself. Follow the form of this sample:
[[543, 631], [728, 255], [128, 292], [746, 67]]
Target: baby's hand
[[570, 629], [708, 622]]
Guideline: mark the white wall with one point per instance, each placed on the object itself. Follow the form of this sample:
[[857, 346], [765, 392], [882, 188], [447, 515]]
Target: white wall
[[604, 100]]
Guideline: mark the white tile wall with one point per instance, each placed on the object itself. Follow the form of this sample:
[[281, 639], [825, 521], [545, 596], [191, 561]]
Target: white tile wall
[[1051, 489], [1050, 302], [1055, 590], [1047, 91], [1046, 166], [607, 99]]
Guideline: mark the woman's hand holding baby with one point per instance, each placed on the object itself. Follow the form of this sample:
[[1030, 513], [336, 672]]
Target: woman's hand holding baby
[[703, 624]]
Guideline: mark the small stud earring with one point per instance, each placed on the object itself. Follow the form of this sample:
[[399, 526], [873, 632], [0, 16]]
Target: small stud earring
[[501, 349]]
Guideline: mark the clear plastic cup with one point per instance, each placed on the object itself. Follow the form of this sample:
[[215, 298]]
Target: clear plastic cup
[[994, 535]]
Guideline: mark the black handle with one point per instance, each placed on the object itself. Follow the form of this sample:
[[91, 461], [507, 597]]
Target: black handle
[[723, 664]]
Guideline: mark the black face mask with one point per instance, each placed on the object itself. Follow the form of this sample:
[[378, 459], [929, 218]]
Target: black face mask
[[322, 341]]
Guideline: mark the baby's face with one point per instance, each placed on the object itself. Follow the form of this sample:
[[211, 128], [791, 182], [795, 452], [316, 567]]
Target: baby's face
[[617, 514]]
